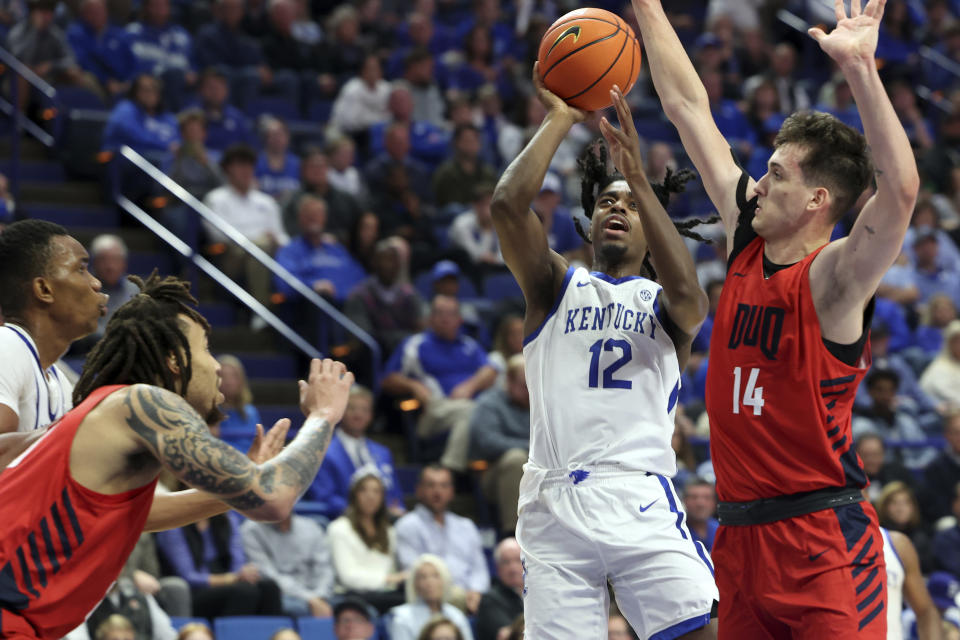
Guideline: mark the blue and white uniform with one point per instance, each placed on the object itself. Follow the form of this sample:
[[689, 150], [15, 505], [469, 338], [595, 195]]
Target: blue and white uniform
[[38, 397], [896, 574], [596, 501]]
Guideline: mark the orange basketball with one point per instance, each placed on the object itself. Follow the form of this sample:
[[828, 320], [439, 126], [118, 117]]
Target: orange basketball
[[584, 53]]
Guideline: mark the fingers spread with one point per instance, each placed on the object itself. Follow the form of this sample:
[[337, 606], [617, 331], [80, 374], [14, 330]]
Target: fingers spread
[[854, 8], [839, 10]]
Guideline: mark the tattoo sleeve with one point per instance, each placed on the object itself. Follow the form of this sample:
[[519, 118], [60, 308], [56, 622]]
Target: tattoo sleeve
[[181, 440]]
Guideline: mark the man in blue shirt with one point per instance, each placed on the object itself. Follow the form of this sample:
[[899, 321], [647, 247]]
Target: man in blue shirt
[[102, 49], [443, 370], [163, 48], [700, 503], [224, 45], [226, 124]]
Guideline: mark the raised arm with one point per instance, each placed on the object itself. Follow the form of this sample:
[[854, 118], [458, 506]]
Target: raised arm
[[874, 243], [523, 240], [684, 300], [174, 432], [685, 102]]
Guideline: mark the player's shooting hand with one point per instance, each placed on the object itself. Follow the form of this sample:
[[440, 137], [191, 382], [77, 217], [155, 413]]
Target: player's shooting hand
[[552, 101], [624, 143], [854, 39], [269, 445], [324, 394]]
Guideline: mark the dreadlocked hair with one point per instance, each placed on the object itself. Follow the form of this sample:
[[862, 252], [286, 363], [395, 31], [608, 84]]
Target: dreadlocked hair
[[593, 163], [139, 338]]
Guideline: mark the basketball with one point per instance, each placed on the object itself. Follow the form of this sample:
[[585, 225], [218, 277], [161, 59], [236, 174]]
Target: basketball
[[584, 53]]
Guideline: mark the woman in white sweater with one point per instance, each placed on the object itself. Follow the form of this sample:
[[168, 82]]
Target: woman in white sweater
[[941, 379], [364, 544]]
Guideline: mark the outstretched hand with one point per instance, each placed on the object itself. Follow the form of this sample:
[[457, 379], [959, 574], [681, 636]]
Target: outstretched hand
[[854, 39], [268, 446], [552, 101], [623, 143]]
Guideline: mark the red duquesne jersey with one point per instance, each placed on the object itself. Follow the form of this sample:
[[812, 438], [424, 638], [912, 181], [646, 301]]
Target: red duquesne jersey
[[61, 544], [778, 400]]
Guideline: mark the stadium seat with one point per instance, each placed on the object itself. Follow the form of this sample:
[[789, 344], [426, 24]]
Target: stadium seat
[[250, 627], [274, 105], [498, 286], [319, 111], [179, 622], [315, 628]]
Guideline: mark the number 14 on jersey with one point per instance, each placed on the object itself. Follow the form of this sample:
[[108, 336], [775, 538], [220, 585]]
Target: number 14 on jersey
[[752, 395]]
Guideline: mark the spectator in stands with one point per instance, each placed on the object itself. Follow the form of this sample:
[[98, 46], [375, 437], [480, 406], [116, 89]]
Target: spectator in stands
[[897, 510], [428, 595], [116, 627], [472, 231], [226, 124], [904, 100], [432, 529], [501, 605], [8, 206], [938, 313], [783, 66], [352, 620], [909, 395], [240, 425], [195, 631], [888, 419], [172, 593], [291, 61], [930, 276], [362, 102], [500, 435], [477, 67], [193, 168], [872, 451], [163, 49], [499, 132], [444, 371], [362, 240], [41, 45], [140, 610], [277, 170], [364, 544], [440, 629], [209, 555], [252, 212], [507, 342], [108, 262], [295, 554], [418, 71], [731, 121], [347, 47], [140, 123], [561, 233], [939, 164], [941, 380], [350, 450], [457, 179], [342, 208], [305, 29], [836, 98], [429, 143], [223, 45], [700, 503], [386, 305], [396, 154], [316, 257], [102, 49], [343, 174], [946, 543], [943, 472], [925, 218]]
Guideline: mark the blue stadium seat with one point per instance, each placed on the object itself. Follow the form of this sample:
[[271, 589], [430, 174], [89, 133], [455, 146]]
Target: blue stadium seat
[[319, 111], [78, 98], [315, 628], [250, 627], [179, 622], [276, 106], [498, 286]]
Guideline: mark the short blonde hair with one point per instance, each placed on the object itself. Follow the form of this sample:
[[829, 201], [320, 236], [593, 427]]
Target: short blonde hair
[[116, 622], [190, 627], [439, 565]]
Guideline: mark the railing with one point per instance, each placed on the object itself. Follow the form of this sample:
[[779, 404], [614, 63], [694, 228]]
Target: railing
[[190, 252]]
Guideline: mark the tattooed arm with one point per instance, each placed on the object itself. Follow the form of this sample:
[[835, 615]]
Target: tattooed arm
[[176, 434]]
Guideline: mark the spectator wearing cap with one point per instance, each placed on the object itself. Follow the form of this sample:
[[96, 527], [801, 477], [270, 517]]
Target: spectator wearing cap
[[226, 124], [428, 592], [943, 472], [888, 419], [140, 123], [277, 169], [364, 544], [163, 49], [350, 449], [101, 48], [252, 212], [503, 603], [295, 554], [343, 209], [557, 220], [386, 305], [444, 371], [500, 435], [881, 471], [941, 379], [352, 620], [473, 232], [457, 179], [223, 45], [946, 543]]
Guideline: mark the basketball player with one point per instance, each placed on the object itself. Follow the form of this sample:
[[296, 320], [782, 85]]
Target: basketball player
[[790, 341], [603, 353], [904, 580], [49, 299], [76, 500]]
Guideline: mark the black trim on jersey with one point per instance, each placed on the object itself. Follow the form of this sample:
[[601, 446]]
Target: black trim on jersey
[[849, 354], [744, 233]]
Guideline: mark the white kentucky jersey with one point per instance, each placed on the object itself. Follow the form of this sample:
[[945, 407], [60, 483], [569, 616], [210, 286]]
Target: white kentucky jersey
[[38, 397], [603, 377], [896, 575]]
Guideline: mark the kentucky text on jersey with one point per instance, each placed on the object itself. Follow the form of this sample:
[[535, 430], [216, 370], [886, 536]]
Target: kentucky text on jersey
[[615, 314]]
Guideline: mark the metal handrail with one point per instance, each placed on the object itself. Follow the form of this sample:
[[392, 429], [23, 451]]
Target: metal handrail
[[252, 249]]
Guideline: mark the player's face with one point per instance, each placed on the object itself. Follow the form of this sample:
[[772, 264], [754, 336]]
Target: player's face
[[203, 391], [76, 302], [785, 203], [615, 229], [428, 583]]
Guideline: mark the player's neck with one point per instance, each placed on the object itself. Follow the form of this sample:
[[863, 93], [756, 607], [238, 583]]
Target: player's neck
[[49, 339], [794, 248], [619, 269]]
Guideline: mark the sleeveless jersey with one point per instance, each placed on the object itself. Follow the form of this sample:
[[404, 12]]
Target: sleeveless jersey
[[38, 397], [896, 575], [61, 544], [778, 401], [603, 377]]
